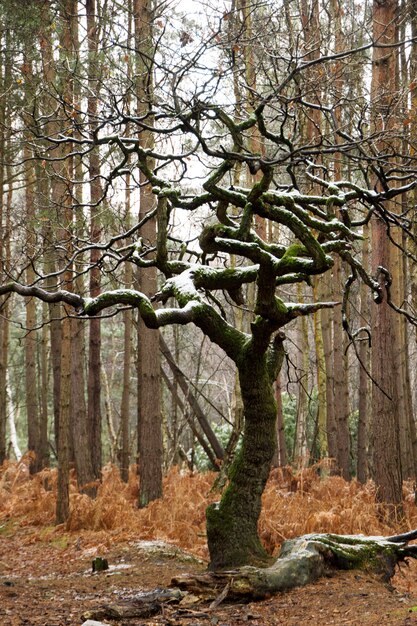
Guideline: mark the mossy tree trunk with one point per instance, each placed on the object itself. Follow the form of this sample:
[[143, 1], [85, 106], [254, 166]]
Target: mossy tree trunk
[[232, 524]]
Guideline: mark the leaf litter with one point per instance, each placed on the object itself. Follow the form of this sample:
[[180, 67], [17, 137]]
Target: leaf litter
[[45, 570]]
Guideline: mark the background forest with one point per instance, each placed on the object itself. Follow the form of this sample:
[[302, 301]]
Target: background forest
[[107, 389]]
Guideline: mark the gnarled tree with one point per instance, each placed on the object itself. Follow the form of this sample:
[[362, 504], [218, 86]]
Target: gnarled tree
[[189, 167]]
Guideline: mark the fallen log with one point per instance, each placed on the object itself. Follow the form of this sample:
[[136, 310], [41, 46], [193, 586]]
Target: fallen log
[[301, 561]]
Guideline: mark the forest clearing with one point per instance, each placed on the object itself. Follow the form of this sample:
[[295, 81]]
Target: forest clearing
[[46, 576]]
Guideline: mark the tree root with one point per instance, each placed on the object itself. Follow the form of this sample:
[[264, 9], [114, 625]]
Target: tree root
[[301, 561]]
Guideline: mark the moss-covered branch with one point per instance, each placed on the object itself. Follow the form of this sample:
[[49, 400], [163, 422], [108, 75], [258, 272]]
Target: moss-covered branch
[[33, 291]]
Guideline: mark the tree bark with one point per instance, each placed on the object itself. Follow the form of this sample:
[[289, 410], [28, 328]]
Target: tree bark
[[300, 453], [5, 208], [149, 411], [68, 13], [280, 458], [79, 426], [32, 405], [94, 352], [232, 524], [364, 367], [386, 463]]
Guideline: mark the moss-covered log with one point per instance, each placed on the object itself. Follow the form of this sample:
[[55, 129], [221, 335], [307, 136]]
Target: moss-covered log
[[302, 561]]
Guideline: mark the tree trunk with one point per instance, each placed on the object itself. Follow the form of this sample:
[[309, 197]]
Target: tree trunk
[[125, 402], [364, 365], [5, 207], [321, 377], [44, 392], [300, 455], [94, 353], [52, 191], [149, 412], [125, 447], [386, 463], [232, 524], [280, 458], [32, 406], [62, 502], [79, 427], [326, 328], [341, 396], [68, 13]]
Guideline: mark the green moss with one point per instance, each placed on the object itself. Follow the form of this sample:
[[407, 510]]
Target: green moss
[[357, 552]]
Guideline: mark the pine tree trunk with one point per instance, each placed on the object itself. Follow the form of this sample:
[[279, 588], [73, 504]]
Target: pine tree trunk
[[386, 462], [94, 353], [321, 377], [79, 426], [124, 458], [364, 367], [68, 13], [4, 210], [341, 396], [300, 456], [44, 396], [32, 405], [52, 190], [62, 502], [280, 458], [149, 411]]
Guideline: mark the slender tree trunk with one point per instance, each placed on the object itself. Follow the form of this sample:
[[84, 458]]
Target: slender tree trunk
[[364, 369], [64, 433], [83, 454], [413, 264], [280, 458], [4, 239], [32, 406], [321, 378], [300, 456], [340, 364], [94, 353], [12, 419], [341, 396], [125, 403], [125, 447], [44, 367], [385, 420], [399, 273], [79, 426], [326, 328], [4, 347], [67, 14], [149, 411], [52, 192]]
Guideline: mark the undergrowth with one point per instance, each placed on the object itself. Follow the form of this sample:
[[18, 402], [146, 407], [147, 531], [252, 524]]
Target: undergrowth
[[294, 503]]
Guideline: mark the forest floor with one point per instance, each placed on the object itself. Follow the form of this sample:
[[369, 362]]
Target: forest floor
[[46, 576], [49, 582]]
